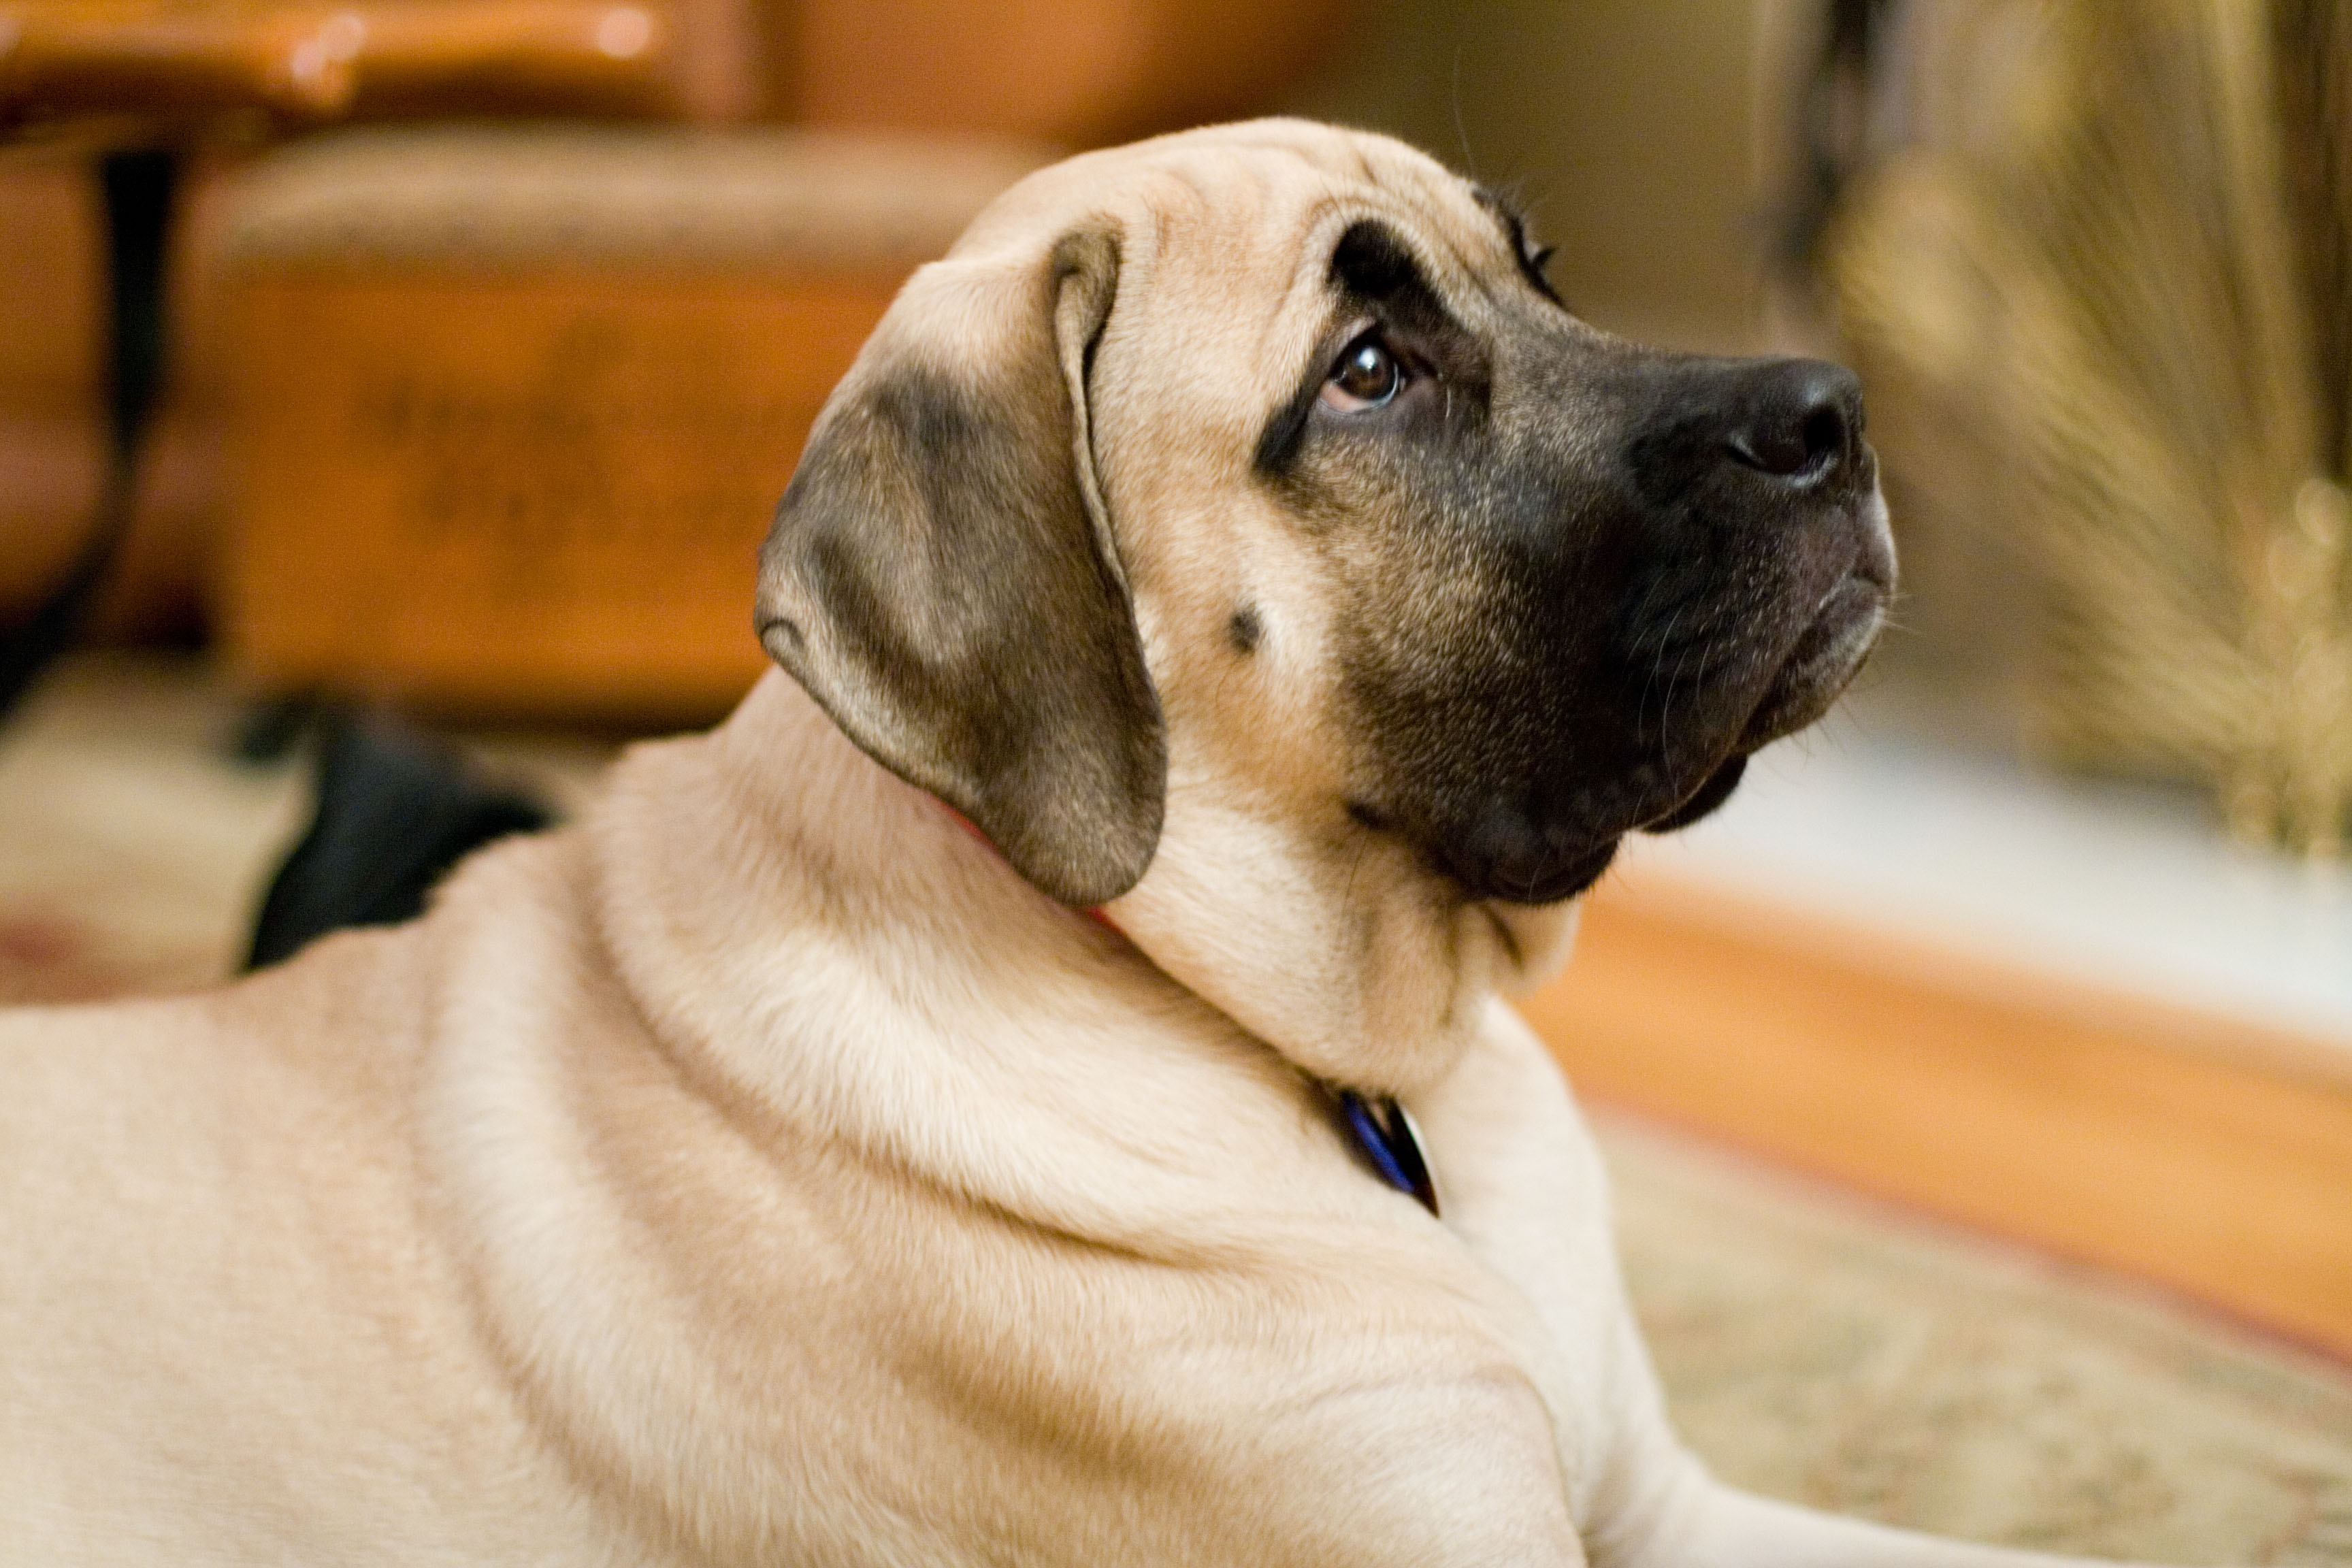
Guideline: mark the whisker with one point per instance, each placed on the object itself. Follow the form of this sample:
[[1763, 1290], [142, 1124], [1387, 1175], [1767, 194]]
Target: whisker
[[1643, 706]]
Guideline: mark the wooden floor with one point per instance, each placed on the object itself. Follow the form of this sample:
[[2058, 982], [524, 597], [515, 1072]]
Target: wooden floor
[[2210, 1156]]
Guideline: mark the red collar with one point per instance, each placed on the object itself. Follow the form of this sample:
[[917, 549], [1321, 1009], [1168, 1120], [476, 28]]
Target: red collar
[[969, 826]]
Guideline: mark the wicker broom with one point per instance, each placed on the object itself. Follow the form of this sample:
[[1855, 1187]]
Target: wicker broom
[[2111, 283]]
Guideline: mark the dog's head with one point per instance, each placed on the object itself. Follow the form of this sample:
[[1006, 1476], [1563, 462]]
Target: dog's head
[[1236, 526]]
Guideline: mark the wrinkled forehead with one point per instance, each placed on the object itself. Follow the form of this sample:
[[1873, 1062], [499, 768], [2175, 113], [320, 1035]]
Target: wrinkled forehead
[[1227, 238], [1251, 178]]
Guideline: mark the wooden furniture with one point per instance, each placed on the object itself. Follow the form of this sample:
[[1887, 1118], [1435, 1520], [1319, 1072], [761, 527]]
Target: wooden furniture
[[1067, 71], [137, 81], [1076, 72], [514, 408], [160, 60], [2212, 1156]]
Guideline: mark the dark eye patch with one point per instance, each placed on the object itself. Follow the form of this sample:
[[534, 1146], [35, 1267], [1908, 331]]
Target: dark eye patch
[[1371, 263], [1375, 273], [1372, 266]]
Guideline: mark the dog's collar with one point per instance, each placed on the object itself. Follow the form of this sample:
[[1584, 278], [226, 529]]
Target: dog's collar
[[1379, 1128], [969, 826], [1384, 1135]]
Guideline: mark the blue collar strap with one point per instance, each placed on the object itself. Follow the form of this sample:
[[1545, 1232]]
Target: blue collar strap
[[1385, 1136]]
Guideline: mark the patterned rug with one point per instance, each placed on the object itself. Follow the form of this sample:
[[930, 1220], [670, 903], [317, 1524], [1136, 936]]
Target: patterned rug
[[1814, 1345], [1821, 1347]]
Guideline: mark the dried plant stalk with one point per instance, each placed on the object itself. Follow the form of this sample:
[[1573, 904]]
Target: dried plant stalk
[[2119, 262]]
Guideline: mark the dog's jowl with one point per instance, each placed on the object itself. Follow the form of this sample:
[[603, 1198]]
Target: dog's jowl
[[1030, 1088]]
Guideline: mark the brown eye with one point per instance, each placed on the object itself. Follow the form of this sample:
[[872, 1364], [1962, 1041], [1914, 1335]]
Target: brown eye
[[1367, 376]]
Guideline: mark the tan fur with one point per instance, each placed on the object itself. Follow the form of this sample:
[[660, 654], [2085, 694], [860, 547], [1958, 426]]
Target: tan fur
[[761, 1171]]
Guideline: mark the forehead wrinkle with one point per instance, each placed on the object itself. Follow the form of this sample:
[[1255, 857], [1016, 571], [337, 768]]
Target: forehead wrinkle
[[1483, 272], [1196, 224], [1305, 231], [1216, 163], [1181, 173], [1314, 154], [1299, 318], [1212, 203], [1417, 221], [1341, 208], [1409, 190], [1318, 233], [1212, 190]]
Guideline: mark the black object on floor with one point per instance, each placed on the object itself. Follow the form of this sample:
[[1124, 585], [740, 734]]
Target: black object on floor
[[395, 812]]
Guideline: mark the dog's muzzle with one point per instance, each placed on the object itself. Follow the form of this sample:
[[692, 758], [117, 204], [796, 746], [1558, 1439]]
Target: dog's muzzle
[[1769, 573]]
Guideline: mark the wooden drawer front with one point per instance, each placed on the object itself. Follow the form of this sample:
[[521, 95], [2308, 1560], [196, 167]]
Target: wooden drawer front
[[517, 494]]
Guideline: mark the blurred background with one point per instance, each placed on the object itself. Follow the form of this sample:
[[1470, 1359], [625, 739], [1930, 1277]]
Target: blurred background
[[390, 386], [753, 155]]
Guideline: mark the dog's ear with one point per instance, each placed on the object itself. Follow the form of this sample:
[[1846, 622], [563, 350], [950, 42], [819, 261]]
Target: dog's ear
[[942, 577]]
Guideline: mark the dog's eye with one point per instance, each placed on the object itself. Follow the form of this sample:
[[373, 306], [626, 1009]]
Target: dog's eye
[[1367, 376]]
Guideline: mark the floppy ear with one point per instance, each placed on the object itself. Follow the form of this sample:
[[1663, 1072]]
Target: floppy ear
[[942, 574]]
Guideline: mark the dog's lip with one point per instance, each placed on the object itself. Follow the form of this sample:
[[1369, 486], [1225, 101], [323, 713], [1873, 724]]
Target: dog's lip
[[1838, 635], [1714, 789], [1574, 874], [1499, 864], [1826, 658]]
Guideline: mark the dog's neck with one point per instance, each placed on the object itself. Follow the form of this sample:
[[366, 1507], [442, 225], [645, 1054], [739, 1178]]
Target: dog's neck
[[1382, 1130], [1376, 983]]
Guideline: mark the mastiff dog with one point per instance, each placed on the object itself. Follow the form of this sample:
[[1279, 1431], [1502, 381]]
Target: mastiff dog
[[1030, 1087]]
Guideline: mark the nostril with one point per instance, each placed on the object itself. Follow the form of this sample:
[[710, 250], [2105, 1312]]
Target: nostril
[[1777, 452], [1804, 422], [1824, 434]]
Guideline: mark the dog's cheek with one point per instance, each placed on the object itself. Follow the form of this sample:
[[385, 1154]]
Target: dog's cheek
[[1253, 707]]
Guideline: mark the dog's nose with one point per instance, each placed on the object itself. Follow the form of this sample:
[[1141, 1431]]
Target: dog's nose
[[1796, 419]]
